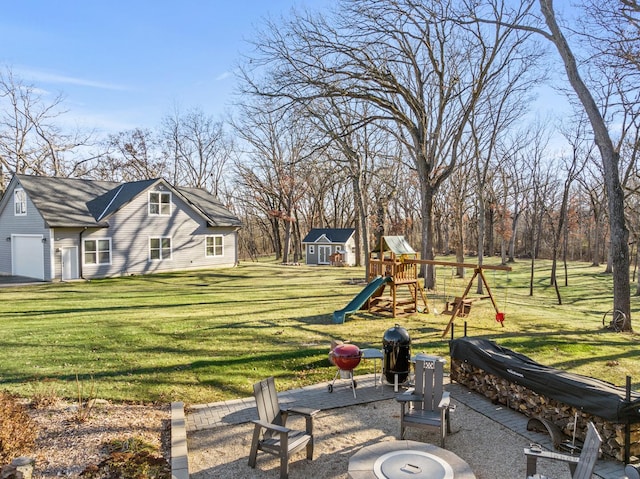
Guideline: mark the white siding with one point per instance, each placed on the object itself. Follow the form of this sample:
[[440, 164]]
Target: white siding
[[30, 224], [132, 226], [65, 238]]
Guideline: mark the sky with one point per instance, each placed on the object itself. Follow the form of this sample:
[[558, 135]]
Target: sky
[[126, 64]]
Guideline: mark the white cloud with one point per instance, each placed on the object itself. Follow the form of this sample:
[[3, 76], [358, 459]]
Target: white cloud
[[48, 77], [223, 76]]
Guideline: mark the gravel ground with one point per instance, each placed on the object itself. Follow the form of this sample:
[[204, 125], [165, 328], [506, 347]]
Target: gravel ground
[[66, 446], [492, 451]]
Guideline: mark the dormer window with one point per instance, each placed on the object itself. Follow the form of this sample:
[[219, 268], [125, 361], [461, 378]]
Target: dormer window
[[160, 203], [20, 202]]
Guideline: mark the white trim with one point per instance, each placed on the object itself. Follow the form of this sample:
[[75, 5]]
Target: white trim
[[324, 248], [206, 246], [110, 202], [97, 251], [161, 258], [23, 202], [160, 193]]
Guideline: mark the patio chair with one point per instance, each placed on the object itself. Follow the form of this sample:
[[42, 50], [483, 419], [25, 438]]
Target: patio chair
[[581, 467], [427, 405], [270, 433], [632, 471]]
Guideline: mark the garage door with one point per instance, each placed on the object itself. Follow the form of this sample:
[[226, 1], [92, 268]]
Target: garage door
[[28, 256]]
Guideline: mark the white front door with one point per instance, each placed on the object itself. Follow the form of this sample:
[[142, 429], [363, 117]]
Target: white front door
[[323, 254], [27, 255], [69, 263]]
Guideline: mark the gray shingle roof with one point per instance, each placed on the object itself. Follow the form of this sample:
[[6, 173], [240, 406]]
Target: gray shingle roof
[[335, 235], [72, 202]]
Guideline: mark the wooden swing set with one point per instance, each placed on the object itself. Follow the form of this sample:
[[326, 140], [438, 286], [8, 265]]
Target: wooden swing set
[[461, 305], [397, 261]]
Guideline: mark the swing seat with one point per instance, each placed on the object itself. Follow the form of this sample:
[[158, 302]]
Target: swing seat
[[463, 305]]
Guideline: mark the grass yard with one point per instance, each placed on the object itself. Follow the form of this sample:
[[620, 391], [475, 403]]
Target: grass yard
[[209, 335]]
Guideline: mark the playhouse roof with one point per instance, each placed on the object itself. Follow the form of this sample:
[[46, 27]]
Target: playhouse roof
[[397, 245]]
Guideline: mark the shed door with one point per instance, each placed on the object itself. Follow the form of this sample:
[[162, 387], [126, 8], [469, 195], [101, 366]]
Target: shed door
[[323, 254], [27, 254]]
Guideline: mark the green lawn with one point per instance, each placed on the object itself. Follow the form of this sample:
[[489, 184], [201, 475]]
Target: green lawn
[[209, 335]]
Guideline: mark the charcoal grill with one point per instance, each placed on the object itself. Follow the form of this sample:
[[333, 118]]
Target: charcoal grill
[[345, 357]]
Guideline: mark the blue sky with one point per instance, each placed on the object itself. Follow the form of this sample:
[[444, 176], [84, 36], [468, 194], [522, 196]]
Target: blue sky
[[126, 64]]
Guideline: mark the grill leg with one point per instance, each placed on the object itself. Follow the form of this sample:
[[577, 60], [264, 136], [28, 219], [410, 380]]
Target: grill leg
[[353, 384]]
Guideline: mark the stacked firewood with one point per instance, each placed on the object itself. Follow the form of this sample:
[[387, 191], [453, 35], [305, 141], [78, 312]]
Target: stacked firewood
[[532, 404]]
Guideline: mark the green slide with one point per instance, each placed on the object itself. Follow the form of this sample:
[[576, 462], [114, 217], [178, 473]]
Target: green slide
[[356, 303]]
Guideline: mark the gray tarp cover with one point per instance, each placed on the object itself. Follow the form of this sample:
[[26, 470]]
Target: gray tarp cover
[[590, 395]]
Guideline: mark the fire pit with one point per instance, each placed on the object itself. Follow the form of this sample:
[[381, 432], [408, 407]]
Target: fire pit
[[414, 464], [345, 357], [407, 459]]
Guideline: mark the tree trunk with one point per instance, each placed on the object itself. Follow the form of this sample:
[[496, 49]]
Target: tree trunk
[[427, 235], [610, 160], [481, 234], [514, 229], [364, 225]]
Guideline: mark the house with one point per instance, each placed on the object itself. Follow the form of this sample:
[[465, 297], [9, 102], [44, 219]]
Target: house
[[65, 228], [321, 244]]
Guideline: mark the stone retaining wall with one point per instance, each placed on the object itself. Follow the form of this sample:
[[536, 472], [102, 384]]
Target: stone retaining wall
[[532, 404]]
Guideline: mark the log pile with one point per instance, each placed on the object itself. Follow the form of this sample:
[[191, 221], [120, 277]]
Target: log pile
[[532, 404]]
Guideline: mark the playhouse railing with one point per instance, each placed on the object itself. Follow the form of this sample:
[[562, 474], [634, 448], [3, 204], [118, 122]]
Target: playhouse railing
[[398, 270]]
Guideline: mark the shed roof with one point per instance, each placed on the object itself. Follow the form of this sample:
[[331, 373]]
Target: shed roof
[[334, 235]]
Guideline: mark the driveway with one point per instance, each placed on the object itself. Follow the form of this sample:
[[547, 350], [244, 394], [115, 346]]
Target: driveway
[[6, 281]]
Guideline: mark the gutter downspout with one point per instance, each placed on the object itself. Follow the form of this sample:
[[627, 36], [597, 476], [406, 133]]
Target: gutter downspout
[[80, 253]]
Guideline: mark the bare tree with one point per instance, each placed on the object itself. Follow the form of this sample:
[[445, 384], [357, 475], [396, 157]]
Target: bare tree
[[131, 155], [610, 160], [415, 67], [356, 145], [548, 27], [31, 140], [198, 149], [573, 167], [278, 145]]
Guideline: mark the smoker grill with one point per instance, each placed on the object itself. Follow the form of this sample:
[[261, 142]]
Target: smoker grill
[[396, 344], [345, 357]]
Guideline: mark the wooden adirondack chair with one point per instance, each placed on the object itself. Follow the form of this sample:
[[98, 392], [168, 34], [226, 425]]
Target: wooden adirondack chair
[[581, 467], [427, 405], [271, 434]]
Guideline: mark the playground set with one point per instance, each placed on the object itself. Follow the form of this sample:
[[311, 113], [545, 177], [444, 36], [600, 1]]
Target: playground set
[[394, 265]]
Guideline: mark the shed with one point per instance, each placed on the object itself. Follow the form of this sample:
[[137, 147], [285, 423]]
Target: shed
[[322, 245]]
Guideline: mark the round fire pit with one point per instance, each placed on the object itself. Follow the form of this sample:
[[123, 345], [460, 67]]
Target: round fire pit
[[407, 460], [414, 464]]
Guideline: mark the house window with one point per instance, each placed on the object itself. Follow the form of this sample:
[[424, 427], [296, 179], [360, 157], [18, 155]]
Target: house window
[[159, 203], [312, 249], [20, 202], [159, 248], [214, 246], [97, 251]]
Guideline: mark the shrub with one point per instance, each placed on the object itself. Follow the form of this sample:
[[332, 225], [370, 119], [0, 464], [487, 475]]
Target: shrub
[[130, 459], [18, 431]]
